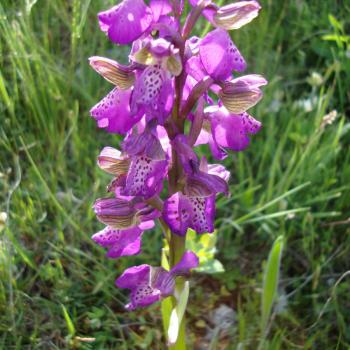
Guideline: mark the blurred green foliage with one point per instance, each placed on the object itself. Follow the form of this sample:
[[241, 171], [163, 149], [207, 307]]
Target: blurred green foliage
[[56, 286]]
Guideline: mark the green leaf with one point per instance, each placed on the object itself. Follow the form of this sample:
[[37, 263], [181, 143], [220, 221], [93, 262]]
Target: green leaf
[[177, 314], [205, 248], [166, 305], [270, 283], [335, 23], [69, 322]]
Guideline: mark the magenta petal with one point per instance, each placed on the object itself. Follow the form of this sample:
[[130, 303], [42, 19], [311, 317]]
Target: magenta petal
[[144, 282], [145, 177], [164, 104], [195, 68], [216, 150], [219, 55], [203, 214], [113, 112], [133, 276], [168, 26], [127, 21], [107, 237], [231, 131], [142, 296], [160, 8], [219, 170], [251, 125], [133, 248], [202, 184], [146, 144], [188, 261], [147, 87], [177, 213], [119, 242], [106, 18]]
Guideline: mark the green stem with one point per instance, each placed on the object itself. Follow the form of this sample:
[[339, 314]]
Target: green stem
[[176, 250], [177, 244]]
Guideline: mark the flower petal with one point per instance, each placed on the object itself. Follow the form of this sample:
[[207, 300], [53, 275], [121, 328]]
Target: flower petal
[[201, 184], [133, 276], [203, 214], [127, 21], [147, 87], [188, 261], [146, 284], [113, 112], [231, 131], [132, 248], [145, 177], [160, 8], [177, 213], [146, 144], [219, 55], [119, 242]]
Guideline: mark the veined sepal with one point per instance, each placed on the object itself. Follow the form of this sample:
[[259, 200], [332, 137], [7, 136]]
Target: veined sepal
[[112, 161], [116, 212], [238, 95], [121, 76], [236, 15]]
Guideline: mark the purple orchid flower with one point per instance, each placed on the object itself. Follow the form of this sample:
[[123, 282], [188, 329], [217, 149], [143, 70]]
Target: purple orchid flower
[[223, 130], [141, 169], [122, 242], [154, 64], [150, 284], [194, 206]]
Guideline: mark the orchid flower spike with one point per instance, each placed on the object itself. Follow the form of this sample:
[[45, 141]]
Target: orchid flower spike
[[177, 91]]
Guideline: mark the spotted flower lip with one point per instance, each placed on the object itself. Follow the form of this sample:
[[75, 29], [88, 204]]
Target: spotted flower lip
[[149, 284], [182, 212], [113, 114], [153, 93], [120, 242], [194, 207], [230, 131]]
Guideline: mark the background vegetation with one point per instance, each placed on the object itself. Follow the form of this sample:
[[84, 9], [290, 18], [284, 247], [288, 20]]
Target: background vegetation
[[56, 287]]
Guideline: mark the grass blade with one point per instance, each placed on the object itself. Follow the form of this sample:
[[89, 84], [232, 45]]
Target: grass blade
[[270, 283]]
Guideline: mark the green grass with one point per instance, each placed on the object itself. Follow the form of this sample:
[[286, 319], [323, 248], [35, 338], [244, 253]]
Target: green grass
[[56, 287]]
